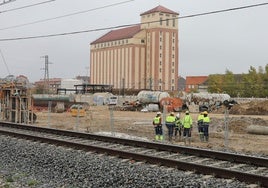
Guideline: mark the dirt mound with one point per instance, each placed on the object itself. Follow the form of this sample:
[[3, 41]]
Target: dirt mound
[[250, 108]]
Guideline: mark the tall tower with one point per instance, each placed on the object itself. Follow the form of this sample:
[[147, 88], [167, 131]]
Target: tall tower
[[138, 57], [161, 28]]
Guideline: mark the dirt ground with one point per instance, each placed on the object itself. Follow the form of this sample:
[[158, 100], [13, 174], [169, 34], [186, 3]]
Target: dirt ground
[[139, 124]]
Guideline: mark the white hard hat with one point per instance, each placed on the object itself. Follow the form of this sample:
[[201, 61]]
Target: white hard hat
[[158, 113], [178, 115]]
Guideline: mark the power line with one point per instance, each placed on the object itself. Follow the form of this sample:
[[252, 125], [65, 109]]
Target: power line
[[128, 25], [27, 6], [6, 1], [66, 15], [224, 10]]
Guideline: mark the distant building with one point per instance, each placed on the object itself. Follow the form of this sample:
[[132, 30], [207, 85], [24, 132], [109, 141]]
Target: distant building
[[143, 56], [196, 83], [181, 84], [53, 84], [69, 84], [85, 79]]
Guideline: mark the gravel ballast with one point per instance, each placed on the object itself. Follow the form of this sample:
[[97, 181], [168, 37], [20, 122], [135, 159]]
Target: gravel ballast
[[33, 164]]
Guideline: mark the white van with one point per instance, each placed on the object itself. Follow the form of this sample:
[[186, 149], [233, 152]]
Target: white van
[[112, 100]]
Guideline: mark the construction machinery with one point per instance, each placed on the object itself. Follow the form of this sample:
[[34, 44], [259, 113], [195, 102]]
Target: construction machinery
[[162, 99], [206, 101], [78, 110], [172, 104]]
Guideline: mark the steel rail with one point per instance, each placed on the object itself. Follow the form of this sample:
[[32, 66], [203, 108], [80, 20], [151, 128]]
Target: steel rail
[[239, 158], [197, 168]]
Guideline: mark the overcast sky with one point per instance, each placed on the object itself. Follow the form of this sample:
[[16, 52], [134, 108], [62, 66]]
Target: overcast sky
[[208, 44]]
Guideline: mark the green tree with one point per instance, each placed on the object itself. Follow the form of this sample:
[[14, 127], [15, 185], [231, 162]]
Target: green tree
[[215, 82], [264, 76], [230, 86], [253, 83]]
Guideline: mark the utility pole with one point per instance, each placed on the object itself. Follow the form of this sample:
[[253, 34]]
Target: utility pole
[[46, 75], [151, 83], [87, 74], [123, 86]]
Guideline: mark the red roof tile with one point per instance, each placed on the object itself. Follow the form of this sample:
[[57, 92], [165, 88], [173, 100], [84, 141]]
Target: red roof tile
[[159, 9], [195, 80], [118, 34]]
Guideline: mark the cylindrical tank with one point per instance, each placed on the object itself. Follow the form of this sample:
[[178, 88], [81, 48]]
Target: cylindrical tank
[[151, 96]]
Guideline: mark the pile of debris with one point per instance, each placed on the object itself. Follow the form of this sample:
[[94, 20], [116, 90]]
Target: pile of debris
[[251, 108]]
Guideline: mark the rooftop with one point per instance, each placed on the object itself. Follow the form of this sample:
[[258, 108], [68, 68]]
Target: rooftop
[[160, 9], [119, 34]]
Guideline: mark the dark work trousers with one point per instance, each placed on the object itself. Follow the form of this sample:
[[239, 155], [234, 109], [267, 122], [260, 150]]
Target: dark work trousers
[[205, 129], [177, 130], [158, 130], [200, 127], [170, 127], [187, 132]]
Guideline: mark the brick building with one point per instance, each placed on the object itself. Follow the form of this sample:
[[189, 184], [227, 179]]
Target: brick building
[[143, 56]]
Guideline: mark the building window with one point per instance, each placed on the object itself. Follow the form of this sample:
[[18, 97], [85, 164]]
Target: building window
[[173, 48], [160, 39], [173, 40], [160, 63], [173, 56], [160, 70], [142, 40], [160, 21], [160, 47], [172, 81], [173, 64], [172, 88], [127, 41], [160, 81], [167, 22], [160, 55], [172, 70], [174, 23]]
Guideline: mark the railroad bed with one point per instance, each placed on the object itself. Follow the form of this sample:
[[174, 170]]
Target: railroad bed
[[219, 164]]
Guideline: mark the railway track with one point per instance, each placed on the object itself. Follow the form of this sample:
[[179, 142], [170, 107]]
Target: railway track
[[219, 164]]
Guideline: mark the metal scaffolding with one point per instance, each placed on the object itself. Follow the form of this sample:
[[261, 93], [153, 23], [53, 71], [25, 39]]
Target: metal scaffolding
[[16, 102]]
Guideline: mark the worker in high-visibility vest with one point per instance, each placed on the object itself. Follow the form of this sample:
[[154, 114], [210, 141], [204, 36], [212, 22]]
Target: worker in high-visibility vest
[[206, 121], [178, 127], [187, 122], [200, 126], [157, 122], [170, 123]]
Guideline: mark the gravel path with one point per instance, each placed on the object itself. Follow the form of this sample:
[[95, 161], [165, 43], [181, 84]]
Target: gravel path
[[31, 164]]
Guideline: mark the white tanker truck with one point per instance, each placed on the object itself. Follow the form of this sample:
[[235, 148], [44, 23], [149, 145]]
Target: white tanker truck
[[151, 97]]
